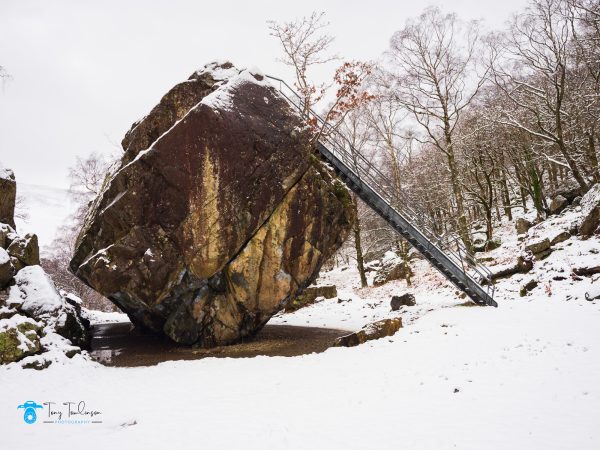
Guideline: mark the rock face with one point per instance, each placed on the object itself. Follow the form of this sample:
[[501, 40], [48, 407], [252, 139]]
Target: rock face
[[8, 195], [218, 214]]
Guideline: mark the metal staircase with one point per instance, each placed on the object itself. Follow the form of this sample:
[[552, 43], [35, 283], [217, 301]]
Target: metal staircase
[[446, 253]]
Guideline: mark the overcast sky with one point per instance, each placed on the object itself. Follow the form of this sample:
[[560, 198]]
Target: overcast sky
[[83, 71]]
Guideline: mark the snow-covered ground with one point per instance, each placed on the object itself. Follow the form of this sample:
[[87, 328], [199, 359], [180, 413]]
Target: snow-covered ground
[[523, 376]]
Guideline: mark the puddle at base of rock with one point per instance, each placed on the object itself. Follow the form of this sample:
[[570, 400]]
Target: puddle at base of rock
[[121, 345]]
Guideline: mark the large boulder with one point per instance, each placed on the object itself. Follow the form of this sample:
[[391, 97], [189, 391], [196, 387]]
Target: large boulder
[[218, 215], [590, 210], [8, 195]]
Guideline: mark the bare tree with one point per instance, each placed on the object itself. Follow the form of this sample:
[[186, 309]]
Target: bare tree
[[305, 44], [86, 178], [530, 66], [433, 75]]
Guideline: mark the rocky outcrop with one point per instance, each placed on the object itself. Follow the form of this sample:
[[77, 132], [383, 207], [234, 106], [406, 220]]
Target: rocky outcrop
[[310, 295], [8, 196], [590, 212], [392, 268], [35, 319], [38, 325], [374, 330], [218, 215]]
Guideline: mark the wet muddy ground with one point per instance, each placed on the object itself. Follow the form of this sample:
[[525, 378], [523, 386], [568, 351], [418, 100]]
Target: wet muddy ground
[[121, 345]]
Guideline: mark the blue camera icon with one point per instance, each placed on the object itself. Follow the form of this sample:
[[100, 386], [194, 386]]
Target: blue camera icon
[[30, 406]]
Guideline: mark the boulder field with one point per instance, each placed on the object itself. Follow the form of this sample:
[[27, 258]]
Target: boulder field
[[218, 214]]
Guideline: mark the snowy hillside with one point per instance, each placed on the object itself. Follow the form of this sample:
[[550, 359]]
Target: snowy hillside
[[524, 375], [47, 209]]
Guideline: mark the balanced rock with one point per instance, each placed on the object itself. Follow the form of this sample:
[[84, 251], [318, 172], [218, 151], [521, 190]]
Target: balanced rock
[[218, 215]]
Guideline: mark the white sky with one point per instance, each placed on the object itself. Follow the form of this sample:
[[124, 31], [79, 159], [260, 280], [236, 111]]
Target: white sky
[[84, 71]]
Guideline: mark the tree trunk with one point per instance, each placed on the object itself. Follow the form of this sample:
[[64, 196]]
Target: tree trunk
[[357, 245], [463, 228]]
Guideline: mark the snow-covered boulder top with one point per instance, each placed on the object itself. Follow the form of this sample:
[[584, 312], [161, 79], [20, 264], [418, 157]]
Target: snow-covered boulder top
[[180, 100], [217, 202], [8, 195], [34, 292]]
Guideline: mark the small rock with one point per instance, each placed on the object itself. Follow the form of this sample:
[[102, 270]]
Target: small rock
[[537, 246], [576, 201], [593, 292], [406, 299], [557, 204], [590, 269], [392, 268], [560, 237], [375, 330], [528, 287], [522, 225]]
